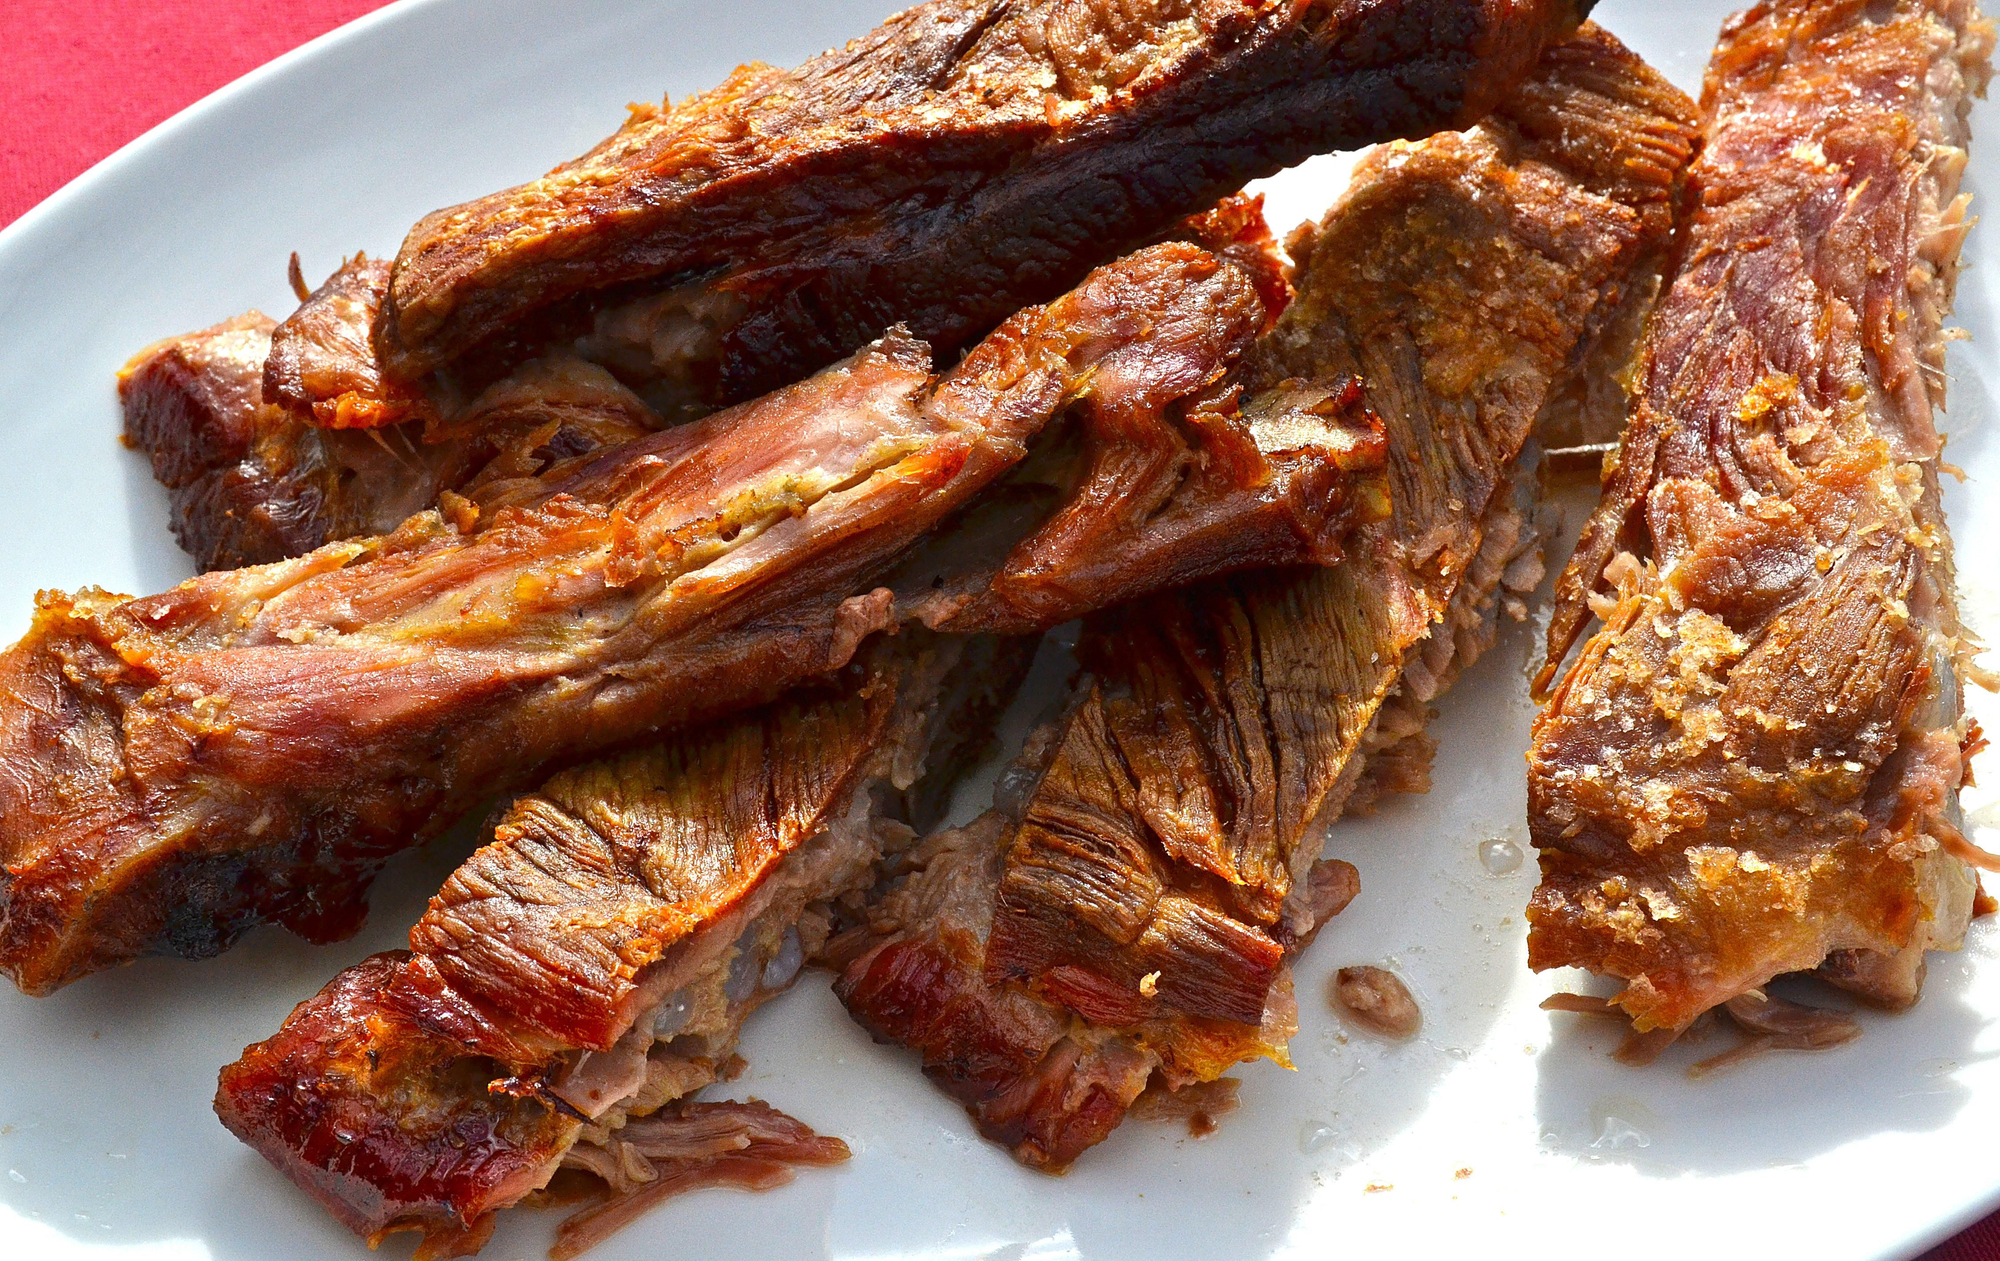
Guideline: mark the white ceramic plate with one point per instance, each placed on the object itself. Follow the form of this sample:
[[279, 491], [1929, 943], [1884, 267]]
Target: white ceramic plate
[[1502, 1130]]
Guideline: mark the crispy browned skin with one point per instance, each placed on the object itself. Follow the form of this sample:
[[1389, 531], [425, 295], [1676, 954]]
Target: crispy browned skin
[[249, 482], [1037, 1078], [654, 881], [307, 1100], [1140, 916], [252, 745], [320, 365], [1754, 764], [964, 158]]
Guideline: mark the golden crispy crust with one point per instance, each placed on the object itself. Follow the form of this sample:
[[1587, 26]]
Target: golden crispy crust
[[1755, 761]]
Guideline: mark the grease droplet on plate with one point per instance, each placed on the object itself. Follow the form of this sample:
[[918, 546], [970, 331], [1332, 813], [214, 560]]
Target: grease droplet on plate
[[1618, 1124], [1499, 856]]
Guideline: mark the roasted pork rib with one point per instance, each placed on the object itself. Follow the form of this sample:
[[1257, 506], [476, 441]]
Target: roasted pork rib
[[252, 745], [1753, 767], [1132, 918], [252, 481], [963, 159], [596, 961]]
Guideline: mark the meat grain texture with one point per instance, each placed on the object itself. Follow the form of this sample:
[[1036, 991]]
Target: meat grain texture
[[250, 481], [963, 159], [594, 963], [1753, 766], [1130, 917], [253, 478], [253, 745]]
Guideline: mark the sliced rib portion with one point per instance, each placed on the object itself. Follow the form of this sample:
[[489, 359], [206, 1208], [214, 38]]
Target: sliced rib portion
[[253, 479], [1753, 768], [249, 483], [963, 158], [252, 745], [1036, 1075], [594, 964], [1134, 919]]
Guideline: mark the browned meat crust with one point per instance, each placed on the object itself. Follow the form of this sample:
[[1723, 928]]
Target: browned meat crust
[[252, 482], [321, 366], [252, 745], [966, 157], [596, 960], [1035, 1078], [334, 1138], [249, 482], [1141, 915], [1754, 764], [245, 483]]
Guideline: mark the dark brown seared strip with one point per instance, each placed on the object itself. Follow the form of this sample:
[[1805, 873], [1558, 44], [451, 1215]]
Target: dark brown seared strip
[[1139, 916], [638, 908], [1753, 766], [252, 745], [966, 157]]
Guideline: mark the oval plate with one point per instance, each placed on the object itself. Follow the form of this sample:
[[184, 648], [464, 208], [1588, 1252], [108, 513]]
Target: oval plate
[[1502, 1130]]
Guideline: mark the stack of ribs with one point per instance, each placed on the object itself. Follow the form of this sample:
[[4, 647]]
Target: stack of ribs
[[1127, 914], [1752, 767], [706, 499], [964, 160], [541, 1044], [538, 495]]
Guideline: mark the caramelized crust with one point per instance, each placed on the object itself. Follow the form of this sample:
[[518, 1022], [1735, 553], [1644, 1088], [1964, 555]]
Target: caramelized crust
[[1754, 764], [311, 1100], [595, 961], [1136, 913], [252, 745], [964, 158], [321, 366]]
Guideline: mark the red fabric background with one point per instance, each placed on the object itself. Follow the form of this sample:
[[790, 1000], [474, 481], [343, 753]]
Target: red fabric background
[[83, 79]]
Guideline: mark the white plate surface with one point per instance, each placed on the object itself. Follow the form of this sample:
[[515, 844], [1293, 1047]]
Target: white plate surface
[[107, 1145]]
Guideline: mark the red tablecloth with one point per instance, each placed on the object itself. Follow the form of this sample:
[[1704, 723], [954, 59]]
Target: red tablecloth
[[83, 79]]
